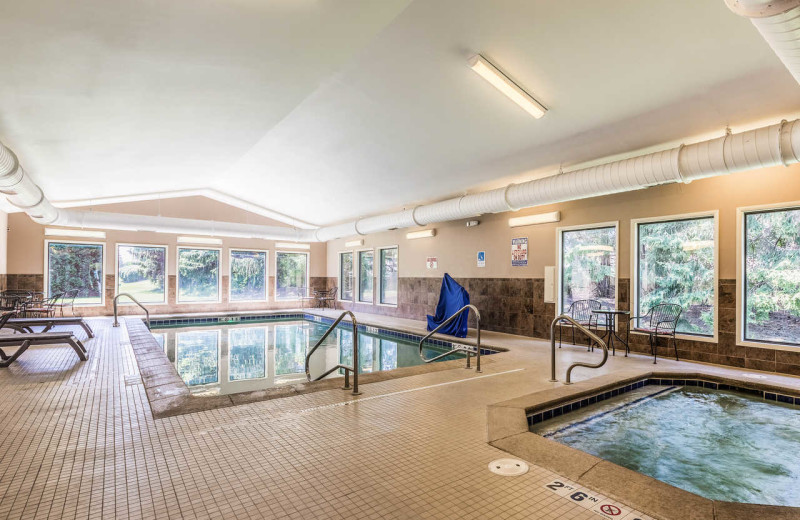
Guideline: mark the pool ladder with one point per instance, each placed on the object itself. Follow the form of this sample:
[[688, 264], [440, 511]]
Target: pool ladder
[[460, 348], [594, 337], [146, 312], [347, 369]]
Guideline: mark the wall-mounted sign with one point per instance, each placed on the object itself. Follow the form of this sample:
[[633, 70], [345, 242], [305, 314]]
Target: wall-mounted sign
[[481, 258], [519, 252], [432, 262]]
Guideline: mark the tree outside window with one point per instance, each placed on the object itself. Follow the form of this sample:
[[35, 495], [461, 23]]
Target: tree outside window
[[141, 272], [676, 265], [291, 276], [365, 276], [346, 276], [772, 276], [198, 275], [75, 267], [388, 274], [248, 275], [589, 266]]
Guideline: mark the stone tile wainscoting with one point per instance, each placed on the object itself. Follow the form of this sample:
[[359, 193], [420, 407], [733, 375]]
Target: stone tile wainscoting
[[34, 282], [516, 306]]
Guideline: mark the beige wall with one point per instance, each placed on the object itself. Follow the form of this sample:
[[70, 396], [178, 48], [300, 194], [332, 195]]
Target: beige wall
[[456, 246], [26, 238], [3, 242]]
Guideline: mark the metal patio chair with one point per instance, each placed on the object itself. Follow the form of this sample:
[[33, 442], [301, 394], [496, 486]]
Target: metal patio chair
[[581, 311], [660, 320]]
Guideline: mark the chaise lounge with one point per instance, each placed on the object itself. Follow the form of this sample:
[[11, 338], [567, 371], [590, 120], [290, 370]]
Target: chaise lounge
[[25, 340], [27, 324]]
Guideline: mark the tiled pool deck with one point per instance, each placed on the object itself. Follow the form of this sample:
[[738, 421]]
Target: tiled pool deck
[[79, 441]]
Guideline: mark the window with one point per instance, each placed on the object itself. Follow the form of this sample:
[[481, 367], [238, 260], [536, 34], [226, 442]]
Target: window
[[76, 266], [346, 276], [248, 281], [676, 263], [142, 272], [772, 276], [247, 353], [388, 276], [365, 276], [197, 356], [198, 275], [291, 280], [589, 266]]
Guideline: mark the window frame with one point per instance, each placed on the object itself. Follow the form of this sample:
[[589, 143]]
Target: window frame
[[380, 278], [560, 258], [339, 276], [357, 275], [127, 301], [230, 274], [178, 276], [46, 288], [741, 285], [308, 274], [634, 268]]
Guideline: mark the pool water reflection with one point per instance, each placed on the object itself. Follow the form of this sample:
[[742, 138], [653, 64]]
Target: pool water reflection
[[229, 359]]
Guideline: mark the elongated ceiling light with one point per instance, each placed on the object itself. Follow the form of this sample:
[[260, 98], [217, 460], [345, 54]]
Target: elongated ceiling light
[[354, 243], [426, 233], [502, 83], [292, 245], [200, 240], [539, 218], [77, 233]]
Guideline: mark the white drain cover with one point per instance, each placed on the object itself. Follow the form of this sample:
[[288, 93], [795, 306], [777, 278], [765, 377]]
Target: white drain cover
[[508, 467]]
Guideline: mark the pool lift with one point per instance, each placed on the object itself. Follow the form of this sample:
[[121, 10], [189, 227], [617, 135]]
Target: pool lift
[[594, 337]]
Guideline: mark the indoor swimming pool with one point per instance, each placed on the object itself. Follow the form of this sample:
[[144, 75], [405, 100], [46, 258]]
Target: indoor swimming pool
[[215, 359], [727, 444]]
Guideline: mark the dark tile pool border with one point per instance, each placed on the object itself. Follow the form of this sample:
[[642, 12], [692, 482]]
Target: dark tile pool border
[[508, 429], [557, 411]]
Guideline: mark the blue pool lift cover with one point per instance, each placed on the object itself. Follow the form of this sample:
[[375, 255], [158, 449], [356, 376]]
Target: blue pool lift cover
[[451, 298]]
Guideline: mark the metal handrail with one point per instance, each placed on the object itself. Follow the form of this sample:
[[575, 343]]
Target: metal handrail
[[458, 349], [347, 370], [594, 337], [146, 312]]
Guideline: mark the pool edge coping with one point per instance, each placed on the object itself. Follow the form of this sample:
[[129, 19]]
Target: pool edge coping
[[507, 429], [169, 396]]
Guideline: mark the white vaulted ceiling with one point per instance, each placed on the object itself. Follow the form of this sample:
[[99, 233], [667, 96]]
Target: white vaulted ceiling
[[330, 110]]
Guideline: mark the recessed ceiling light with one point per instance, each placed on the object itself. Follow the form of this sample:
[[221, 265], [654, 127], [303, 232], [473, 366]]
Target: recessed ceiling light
[[502, 83]]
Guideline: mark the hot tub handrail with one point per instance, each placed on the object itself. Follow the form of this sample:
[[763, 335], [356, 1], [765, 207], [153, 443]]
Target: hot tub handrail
[[146, 312], [594, 337], [347, 369], [457, 349]]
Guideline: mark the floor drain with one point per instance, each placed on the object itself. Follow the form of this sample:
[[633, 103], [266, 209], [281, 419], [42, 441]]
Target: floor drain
[[508, 467]]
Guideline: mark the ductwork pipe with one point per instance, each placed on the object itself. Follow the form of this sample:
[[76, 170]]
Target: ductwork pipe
[[764, 147], [21, 191], [778, 21]]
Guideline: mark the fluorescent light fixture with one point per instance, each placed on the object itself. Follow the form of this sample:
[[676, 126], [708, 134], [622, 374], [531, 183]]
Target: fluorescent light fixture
[[78, 233], [502, 83], [200, 240], [292, 245], [426, 233], [539, 218], [694, 245], [354, 243], [595, 248]]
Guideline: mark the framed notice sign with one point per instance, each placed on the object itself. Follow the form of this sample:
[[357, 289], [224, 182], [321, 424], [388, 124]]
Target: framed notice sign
[[519, 252]]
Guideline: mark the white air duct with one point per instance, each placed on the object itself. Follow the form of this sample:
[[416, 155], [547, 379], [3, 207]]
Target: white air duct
[[764, 147], [778, 21]]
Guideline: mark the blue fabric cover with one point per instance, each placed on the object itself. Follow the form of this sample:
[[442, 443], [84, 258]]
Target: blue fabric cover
[[451, 298]]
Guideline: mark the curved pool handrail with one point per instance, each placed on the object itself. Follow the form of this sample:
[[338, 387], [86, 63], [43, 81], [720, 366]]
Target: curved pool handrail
[[347, 369], [146, 312], [457, 349], [594, 337]]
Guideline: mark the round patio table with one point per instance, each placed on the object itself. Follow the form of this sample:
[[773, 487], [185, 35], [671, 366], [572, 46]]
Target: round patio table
[[611, 328]]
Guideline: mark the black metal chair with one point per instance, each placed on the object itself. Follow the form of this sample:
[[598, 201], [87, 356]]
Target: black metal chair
[[660, 320], [328, 297], [67, 300], [581, 311]]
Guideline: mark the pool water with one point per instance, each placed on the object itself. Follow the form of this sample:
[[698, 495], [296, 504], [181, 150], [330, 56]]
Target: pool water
[[227, 359], [723, 445]]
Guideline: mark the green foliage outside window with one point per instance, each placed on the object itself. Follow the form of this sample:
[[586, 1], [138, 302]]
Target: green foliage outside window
[[346, 276], [772, 276], [365, 276], [292, 275], [198, 275], [248, 275], [676, 265], [589, 258], [141, 272], [75, 267]]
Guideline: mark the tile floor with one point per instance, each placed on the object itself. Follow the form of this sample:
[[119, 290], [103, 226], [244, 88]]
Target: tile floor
[[79, 441]]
